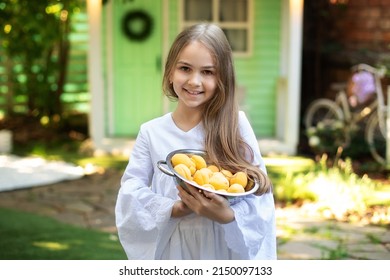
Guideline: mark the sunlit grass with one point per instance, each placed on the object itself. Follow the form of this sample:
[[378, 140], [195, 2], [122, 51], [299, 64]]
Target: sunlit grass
[[335, 191], [26, 236], [51, 245]]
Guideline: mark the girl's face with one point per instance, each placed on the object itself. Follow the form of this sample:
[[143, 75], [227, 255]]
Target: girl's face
[[194, 77]]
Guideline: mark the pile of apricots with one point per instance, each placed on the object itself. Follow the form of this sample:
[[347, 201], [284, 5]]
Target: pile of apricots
[[195, 169]]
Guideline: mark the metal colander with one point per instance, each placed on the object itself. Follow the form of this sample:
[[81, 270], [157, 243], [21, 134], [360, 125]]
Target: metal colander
[[166, 167]]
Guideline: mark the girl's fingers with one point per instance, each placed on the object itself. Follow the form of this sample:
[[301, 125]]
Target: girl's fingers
[[201, 194], [185, 196]]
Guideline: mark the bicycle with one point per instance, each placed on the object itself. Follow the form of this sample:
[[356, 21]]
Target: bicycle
[[362, 101]]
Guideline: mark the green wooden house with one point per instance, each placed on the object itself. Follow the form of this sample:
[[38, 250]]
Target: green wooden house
[[129, 41]]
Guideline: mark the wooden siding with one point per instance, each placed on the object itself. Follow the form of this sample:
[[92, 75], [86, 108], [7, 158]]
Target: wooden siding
[[259, 74], [76, 95]]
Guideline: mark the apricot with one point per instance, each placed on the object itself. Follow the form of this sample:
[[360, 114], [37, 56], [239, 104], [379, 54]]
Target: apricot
[[236, 188], [207, 171], [199, 161], [239, 177], [213, 168], [196, 169], [208, 186], [227, 173], [183, 159], [202, 176], [180, 158], [219, 181], [183, 171]]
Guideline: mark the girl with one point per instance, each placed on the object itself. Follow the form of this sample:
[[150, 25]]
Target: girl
[[156, 219]]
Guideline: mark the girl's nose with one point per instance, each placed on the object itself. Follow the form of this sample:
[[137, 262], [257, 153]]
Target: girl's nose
[[195, 79]]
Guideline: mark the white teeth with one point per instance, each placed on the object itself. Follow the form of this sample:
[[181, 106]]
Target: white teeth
[[193, 92]]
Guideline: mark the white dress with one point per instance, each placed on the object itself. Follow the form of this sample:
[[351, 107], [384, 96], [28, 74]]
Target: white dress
[[146, 197]]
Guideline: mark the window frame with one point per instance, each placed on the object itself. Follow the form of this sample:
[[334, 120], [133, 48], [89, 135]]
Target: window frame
[[247, 25]]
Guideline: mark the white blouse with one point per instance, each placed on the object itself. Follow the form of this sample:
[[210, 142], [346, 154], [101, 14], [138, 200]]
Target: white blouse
[[145, 199]]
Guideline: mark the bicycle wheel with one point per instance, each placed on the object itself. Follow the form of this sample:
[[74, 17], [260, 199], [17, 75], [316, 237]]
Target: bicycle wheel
[[325, 126], [322, 110], [376, 140]]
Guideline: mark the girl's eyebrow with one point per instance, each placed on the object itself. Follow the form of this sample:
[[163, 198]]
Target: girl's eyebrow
[[189, 64]]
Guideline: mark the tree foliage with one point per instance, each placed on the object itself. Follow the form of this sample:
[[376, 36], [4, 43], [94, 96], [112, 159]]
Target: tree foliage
[[34, 36]]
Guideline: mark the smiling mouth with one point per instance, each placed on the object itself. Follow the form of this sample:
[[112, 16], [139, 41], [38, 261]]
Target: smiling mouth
[[193, 92]]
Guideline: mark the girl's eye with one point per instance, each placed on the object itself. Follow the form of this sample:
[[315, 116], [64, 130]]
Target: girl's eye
[[208, 72], [184, 68]]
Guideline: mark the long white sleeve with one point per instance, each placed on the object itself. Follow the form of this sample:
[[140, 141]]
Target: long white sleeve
[[140, 212]]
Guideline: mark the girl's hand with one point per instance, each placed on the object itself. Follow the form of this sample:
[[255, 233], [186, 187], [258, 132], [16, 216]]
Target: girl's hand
[[179, 209], [207, 204]]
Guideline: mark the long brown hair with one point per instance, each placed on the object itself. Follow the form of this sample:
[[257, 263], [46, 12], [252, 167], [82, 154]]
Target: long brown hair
[[223, 142]]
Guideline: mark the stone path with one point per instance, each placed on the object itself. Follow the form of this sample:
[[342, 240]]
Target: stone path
[[89, 202], [308, 236]]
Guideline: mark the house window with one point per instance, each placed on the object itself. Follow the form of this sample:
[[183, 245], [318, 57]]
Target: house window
[[233, 16]]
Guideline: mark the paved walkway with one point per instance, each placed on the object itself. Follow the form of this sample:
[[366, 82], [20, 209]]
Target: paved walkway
[[304, 235], [89, 202]]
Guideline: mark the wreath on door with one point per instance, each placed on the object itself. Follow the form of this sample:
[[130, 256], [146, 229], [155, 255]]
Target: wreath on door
[[131, 31]]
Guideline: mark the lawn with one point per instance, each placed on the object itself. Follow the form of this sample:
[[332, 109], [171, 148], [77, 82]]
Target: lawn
[[26, 236]]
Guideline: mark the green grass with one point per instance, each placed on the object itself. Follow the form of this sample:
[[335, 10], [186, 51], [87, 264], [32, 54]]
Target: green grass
[[26, 236]]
